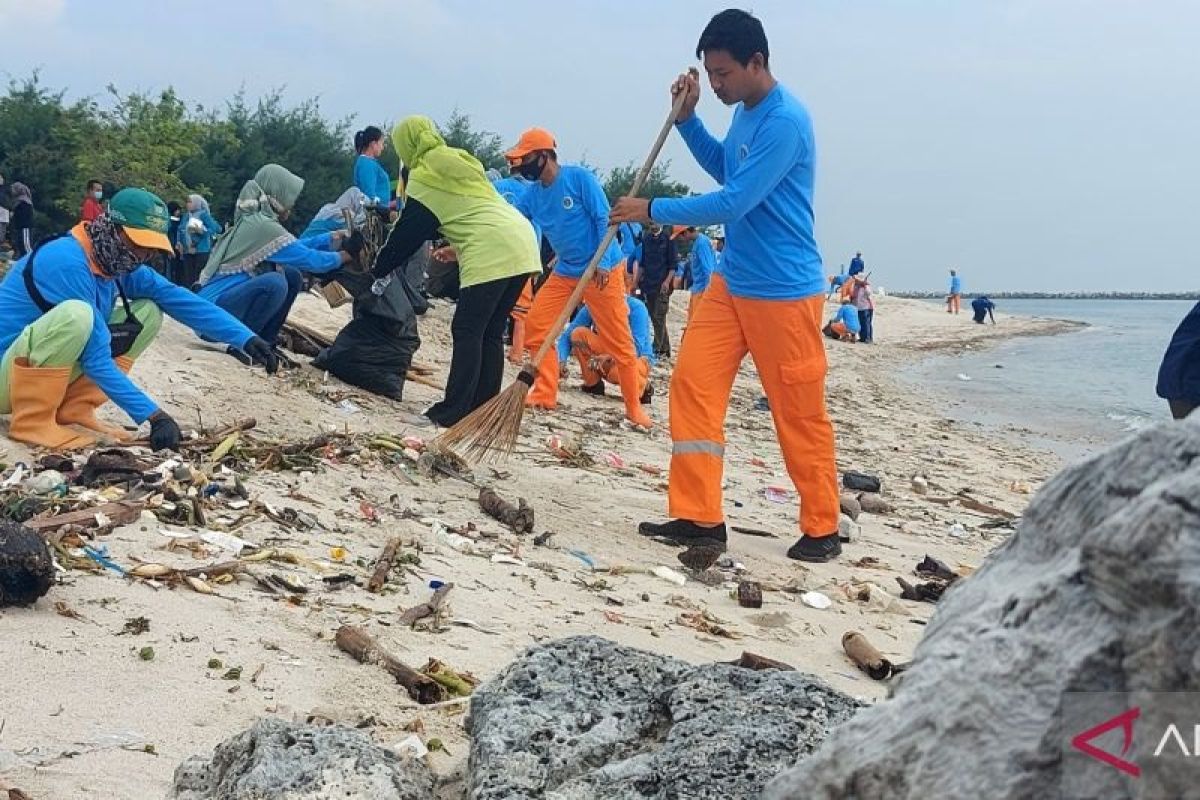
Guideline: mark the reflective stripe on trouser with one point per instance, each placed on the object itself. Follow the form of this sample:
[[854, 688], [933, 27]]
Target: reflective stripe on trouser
[[610, 313], [784, 338], [57, 338], [589, 347]]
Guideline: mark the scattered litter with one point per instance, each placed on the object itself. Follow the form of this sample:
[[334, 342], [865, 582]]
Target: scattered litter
[[519, 517], [958, 531], [962, 376], [614, 460], [226, 541], [705, 622], [338, 554], [500, 558], [848, 529], [584, 557], [861, 482], [454, 541], [920, 485], [777, 494], [411, 746], [701, 556], [669, 575], [47, 482], [816, 600], [865, 656], [348, 407], [467, 623], [749, 594], [650, 469]]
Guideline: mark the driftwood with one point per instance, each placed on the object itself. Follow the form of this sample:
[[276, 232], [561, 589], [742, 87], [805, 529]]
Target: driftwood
[[966, 501], [756, 662], [119, 513], [358, 643], [430, 609], [211, 440], [865, 656], [519, 517], [383, 565]]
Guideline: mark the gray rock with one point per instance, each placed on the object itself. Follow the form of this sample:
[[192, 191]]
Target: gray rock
[[585, 719], [851, 506], [874, 504], [1097, 591], [277, 759]]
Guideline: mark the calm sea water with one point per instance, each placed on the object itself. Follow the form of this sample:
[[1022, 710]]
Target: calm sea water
[[1076, 391]]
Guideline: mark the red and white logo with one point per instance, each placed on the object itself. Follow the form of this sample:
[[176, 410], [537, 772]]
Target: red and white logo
[[1124, 721]]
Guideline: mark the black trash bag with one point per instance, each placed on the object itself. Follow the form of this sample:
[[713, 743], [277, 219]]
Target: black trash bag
[[861, 482], [441, 279], [375, 349]]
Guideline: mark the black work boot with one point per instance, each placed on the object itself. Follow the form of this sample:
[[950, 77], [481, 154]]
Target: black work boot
[[817, 549], [685, 532], [648, 395], [596, 389]]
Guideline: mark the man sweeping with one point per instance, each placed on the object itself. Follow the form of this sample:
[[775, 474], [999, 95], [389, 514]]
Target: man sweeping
[[568, 204], [767, 299]]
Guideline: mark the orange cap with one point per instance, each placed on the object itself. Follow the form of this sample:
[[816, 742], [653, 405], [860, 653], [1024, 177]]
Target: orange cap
[[678, 229], [531, 141]]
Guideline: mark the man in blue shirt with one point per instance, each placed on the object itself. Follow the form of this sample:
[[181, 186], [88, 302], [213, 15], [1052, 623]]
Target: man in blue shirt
[[856, 265], [983, 307], [845, 325], [69, 344], [582, 338], [954, 296], [768, 299]]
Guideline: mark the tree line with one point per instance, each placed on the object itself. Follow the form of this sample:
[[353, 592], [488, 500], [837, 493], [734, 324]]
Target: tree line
[[157, 141]]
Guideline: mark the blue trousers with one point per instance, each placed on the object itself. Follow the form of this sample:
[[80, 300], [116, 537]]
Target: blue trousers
[[263, 302], [866, 322]]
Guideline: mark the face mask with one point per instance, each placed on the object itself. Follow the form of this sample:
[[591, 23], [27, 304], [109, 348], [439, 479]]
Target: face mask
[[532, 171], [98, 195]]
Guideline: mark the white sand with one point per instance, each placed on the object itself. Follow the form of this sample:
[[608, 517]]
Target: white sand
[[77, 685]]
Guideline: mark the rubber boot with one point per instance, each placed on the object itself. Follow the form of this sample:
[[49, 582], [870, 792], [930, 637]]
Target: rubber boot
[[632, 397], [35, 394], [84, 397]]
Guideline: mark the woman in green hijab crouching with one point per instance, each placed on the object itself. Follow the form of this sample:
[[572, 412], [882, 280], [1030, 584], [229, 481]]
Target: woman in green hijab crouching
[[449, 195], [254, 269]]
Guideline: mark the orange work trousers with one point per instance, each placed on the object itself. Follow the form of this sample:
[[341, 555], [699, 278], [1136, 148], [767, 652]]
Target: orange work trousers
[[784, 338], [586, 344], [610, 312]]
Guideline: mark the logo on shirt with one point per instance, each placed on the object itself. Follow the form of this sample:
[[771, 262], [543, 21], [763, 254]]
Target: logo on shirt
[[568, 203], [743, 152]]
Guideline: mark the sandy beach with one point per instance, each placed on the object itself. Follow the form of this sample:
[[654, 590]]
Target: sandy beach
[[84, 716]]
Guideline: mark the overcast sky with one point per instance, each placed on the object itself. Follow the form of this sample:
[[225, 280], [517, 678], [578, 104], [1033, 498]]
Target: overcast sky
[[1032, 144]]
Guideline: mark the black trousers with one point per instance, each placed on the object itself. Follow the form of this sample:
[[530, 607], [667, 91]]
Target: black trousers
[[477, 363], [658, 303], [190, 265]]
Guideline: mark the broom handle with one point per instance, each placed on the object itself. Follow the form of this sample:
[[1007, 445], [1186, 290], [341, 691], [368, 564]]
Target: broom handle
[[556, 330]]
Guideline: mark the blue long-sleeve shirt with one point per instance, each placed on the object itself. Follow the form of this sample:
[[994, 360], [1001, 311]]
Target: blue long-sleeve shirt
[[197, 242], [639, 326], [372, 180], [702, 263], [955, 284], [856, 265], [62, 273], [312, 254], [513, 189], [848, 315], [573, 215], [766, 168]]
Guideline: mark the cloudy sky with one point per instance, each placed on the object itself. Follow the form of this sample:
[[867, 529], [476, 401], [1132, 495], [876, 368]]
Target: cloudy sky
[[1032, 144]]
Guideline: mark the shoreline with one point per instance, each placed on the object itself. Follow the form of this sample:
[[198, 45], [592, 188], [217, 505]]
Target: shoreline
[[882, 428]]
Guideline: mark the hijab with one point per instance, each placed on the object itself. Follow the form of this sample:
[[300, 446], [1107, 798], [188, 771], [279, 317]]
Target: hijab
[[256, 233]]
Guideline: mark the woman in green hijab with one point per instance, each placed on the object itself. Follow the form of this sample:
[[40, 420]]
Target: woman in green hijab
[[254, 269], [449, 195]]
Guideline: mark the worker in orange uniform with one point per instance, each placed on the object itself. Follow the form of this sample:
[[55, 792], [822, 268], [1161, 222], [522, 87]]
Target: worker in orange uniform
[[767, 299], [568, 204]]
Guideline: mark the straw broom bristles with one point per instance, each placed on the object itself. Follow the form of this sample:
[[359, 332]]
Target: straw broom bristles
[[490, 432]]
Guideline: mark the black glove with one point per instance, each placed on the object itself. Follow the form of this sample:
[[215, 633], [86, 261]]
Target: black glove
[[261, 353], [352, 245], [164, 432]]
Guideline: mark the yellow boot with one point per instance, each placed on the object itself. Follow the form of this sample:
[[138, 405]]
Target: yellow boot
[[83, 398], [35, 394]]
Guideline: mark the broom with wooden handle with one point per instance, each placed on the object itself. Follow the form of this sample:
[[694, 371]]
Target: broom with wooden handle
[[491, 430]]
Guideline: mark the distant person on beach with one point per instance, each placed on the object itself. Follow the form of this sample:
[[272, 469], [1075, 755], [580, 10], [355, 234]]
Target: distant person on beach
[[983, 307], [369, 175], [836, 282], [845, 325], [864, 303], [92, 196], [20, 228], [1179, 374], [856, 264], [954, 297]]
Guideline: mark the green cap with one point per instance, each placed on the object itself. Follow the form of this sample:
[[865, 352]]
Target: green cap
[[143, 216]]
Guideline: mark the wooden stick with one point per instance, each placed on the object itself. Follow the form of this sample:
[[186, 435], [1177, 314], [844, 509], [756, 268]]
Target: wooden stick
[[417, 377], [429, 609], [358, 643], [556, 330], [757, 662], [383, 566], [121, 513]]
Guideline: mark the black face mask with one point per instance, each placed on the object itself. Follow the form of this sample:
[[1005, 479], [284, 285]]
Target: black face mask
[[532, 171]]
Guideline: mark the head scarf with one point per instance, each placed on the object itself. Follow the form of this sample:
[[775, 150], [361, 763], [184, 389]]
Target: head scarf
[[352, 200], [256, 233], [432, 163], [21, 193], [109, 248], [199, 202]]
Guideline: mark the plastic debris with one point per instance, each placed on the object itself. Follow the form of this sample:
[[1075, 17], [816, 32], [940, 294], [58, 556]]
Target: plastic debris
[[584, 557], [46, 482], [816, 600], [669, 575], [614, 460], [412, 746]]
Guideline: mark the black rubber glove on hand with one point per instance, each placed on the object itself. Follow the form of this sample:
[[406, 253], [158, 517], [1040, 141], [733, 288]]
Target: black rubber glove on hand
[[261, 353], [352, 245], [164, 432]]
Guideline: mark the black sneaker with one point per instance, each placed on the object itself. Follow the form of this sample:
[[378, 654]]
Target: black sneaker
[[596, 389], [817, 549], [239, 355], [686, 532], [648, 395]]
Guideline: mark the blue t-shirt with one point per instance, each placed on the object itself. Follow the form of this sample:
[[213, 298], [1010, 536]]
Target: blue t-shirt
[[312, 254], [372, 180], [856, 265], [62, 273], [202, 241], [848, 314], [703, 263], [765, 166], [955, 284], [639, 326], [573, 214]]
